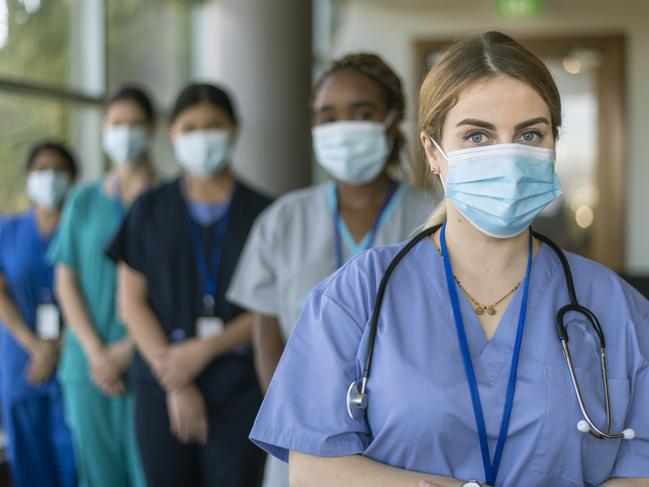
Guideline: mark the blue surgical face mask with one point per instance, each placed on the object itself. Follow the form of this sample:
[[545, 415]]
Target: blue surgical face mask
[[354, 151], [203, 152], [501, 188], [125, 144]]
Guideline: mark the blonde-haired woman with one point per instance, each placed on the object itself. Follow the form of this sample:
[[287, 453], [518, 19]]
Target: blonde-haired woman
[[469, 385]]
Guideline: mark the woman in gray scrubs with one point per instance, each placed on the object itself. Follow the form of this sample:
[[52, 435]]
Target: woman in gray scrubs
[[307, 234]]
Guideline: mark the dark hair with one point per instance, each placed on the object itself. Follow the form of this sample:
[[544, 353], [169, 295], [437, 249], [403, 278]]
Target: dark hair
[[57, 147], [373, 67], [137, 95], [197, 93]]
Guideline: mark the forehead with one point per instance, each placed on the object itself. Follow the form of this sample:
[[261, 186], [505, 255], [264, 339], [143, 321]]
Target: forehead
[[203, 111], [501, 100], [125, 109], [49, 158], [346, 87]]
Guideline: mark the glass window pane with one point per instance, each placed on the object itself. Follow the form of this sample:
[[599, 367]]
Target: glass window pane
[[37, 42], [149, 43], [28, 120]]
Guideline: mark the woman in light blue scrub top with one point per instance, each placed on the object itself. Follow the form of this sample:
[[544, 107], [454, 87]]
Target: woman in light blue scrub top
[[469, 315], [40, 450]]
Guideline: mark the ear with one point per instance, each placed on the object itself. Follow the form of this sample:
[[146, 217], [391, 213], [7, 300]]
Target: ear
[[433, 156]]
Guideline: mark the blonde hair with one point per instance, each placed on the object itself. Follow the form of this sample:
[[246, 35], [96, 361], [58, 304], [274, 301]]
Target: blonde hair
[[473, 59]]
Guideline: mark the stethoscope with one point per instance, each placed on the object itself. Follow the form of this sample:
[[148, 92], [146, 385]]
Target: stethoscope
[[357, 394]]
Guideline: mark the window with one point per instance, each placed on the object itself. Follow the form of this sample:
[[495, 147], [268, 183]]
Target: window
[[58, 60]]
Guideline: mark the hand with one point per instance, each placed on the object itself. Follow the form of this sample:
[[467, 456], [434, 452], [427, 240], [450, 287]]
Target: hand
[[43, 357], [179, 364], [427, 483], [188, 414], [106, 368]]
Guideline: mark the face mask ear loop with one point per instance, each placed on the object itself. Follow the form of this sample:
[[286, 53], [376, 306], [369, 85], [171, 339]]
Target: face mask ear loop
[[441, 151]]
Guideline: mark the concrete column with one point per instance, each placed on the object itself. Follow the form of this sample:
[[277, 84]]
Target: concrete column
[[261, 51]]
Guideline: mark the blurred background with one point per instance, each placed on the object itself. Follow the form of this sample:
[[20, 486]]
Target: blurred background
[[60, 58]]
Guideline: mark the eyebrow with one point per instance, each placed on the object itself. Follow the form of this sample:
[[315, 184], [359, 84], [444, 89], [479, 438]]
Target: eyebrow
[[491, 126], [354, 106]]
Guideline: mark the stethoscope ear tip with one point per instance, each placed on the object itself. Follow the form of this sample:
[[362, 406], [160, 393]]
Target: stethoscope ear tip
[[583, 426], [629, 434]]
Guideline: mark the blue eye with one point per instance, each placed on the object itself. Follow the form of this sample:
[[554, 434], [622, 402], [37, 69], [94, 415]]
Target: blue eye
[[477, 138], [530, 136]]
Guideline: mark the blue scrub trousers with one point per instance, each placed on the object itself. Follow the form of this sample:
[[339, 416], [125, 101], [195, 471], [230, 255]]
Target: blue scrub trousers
[[41, 451]]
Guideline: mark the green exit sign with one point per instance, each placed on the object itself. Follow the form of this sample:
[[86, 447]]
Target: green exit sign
[[519, 8]]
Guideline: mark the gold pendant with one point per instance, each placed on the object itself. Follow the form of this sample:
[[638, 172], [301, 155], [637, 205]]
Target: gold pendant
[[479, 310], [491, 310]]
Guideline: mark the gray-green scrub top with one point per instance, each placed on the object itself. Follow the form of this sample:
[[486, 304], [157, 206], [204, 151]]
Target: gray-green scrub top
[[291, 247]]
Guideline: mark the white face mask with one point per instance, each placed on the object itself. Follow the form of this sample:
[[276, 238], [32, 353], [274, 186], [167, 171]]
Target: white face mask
[[47, 188], [203, 152], [125, 144], [354, 152]]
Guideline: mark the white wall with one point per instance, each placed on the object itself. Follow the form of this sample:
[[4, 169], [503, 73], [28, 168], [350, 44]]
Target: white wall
[[391, 27]]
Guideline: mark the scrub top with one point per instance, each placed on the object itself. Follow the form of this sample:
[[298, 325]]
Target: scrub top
[[155, 241], [292, 247], [22, 263], [89, 222], [420, 415]]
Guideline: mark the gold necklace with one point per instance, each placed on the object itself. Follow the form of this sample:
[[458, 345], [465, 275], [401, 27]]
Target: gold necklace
[[479, 307]]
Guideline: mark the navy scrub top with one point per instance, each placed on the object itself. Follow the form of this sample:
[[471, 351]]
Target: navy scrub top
[[154, 240]]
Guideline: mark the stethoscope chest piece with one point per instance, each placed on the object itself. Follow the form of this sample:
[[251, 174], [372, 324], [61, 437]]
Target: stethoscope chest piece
[[356, 401]]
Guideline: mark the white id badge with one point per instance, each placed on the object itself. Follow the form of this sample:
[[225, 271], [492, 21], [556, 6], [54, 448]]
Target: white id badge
[[48, 322], [209, 326]]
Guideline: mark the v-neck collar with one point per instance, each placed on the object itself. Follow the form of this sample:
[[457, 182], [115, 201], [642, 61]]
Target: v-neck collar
[[490, 357]]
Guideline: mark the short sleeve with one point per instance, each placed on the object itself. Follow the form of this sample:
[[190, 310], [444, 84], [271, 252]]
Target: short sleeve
[[633, 457], [305, 407], [64, 246], [254, 285], [128, 244]]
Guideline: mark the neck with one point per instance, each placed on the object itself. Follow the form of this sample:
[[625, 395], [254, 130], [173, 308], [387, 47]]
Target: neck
[[211, 190], [46, 220], [126, 172], [364, 196], [475, 254]]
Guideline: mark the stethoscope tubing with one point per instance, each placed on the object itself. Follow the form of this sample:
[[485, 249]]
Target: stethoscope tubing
[[357, 395]]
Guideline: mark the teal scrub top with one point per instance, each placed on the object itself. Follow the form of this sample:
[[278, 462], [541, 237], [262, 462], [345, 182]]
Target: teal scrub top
[[89, 222]]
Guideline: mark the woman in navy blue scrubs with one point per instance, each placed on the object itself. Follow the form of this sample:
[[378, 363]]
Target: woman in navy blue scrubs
[[40, 446], [196, 394]]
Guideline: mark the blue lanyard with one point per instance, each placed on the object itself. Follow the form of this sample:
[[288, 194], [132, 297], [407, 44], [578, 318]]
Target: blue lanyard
[[208, 271], [375, 226], [491, 469], [43, 272]]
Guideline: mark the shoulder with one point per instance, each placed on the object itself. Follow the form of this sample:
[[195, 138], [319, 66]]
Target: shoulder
[[9, 222], [595, 282], [255, 200], [85, 192], [354, 286], [157, 198], [296, 204]]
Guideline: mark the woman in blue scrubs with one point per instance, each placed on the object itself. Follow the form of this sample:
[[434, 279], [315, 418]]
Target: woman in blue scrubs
[[195, 390], [40, 450], [469, 315]]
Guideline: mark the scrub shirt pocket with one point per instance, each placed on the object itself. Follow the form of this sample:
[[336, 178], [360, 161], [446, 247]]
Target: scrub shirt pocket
[[562, 451]]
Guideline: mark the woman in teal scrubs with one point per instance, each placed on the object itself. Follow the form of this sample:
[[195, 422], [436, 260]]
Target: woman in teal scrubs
[[39, 443], [96, 347]]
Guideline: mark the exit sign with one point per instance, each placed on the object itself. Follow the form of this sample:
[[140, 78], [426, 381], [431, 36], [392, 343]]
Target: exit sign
[[518, 9]]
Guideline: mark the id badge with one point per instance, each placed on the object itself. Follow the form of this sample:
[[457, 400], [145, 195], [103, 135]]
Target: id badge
[[209, 326], [48, 322]]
